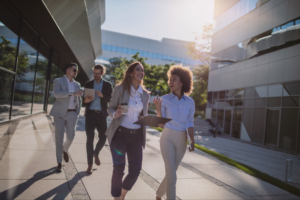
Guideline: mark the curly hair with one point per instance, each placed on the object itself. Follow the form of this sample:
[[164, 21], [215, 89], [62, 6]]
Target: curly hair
[[185, 75]]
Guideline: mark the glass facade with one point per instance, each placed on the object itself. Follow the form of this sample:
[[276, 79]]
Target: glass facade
[[267, 114], [277, 38], [237, 11], [148, 55], [24, 64]]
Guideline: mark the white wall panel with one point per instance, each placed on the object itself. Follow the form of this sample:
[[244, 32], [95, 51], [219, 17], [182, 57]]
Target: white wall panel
[[251, 63], [277, 55], [250, 77], [292, 68], [293, 9], [262, 74], [239, 77], [292, 51], [263, 59], [280, 13], [276, 71]]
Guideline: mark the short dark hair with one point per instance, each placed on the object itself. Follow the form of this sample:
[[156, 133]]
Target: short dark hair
[[185, 75], [99, 66], [70, 65]]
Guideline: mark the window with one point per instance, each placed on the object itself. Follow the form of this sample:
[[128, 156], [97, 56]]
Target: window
[[25, 72]]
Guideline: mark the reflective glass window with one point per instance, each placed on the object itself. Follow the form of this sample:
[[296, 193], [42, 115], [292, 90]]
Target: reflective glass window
[[258, 128], [246, 126], [220, 117], [239, 93], [222, 95], [275, 90], [261, 91], [290, 102], [238, 102], [216, 95], [248, 102], [291, 89], [8, 47], [260, 102], [6, 83], [41, 78], [214, 115], [25, 72], [249, 93], [236, 123], [274, 102], [229, 103], [229, 94], [288, 128]]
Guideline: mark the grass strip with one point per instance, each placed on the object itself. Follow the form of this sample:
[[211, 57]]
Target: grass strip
[[249, 170]]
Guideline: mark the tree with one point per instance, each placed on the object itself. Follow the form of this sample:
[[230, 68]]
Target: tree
[[155, 78], [200, 50]]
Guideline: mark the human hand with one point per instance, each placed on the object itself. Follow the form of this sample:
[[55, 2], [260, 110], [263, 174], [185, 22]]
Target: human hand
[[78, 93], [88, 99], [157, 102], [192, 147], [99, 94], [161, 125], [119, 111]]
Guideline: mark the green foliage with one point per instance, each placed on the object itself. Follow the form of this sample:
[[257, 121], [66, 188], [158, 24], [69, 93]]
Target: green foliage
[[155, 75], [200, 50]]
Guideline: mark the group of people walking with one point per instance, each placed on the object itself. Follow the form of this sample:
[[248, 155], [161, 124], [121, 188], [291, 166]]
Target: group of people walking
[[125, 138]]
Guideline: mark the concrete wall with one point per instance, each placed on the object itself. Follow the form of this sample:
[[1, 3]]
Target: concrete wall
[[276, 67]]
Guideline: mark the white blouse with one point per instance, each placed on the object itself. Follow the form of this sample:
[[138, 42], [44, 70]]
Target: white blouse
[[135, 107]]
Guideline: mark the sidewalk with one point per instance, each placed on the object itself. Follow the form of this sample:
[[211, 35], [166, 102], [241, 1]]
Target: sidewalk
[[27, 170], [266, 160]]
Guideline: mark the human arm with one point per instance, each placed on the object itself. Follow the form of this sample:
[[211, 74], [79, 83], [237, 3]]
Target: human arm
[[190, 124], [57, 92], [107, 97], [113, 106]]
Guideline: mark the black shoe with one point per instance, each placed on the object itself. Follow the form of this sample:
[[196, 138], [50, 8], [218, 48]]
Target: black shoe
[[58, 168], [66, 157]]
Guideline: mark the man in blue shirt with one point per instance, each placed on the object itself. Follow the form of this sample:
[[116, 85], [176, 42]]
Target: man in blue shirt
[[96, 114]]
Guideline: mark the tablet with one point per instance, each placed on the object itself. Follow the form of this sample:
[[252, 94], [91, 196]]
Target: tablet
[[88, 91], [152, 121]]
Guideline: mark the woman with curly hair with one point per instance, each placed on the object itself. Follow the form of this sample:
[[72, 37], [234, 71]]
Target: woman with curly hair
[[179, 107], [125, 137]]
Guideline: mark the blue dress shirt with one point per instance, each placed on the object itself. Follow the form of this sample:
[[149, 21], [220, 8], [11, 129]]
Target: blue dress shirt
[[96, 103], [180, 111]]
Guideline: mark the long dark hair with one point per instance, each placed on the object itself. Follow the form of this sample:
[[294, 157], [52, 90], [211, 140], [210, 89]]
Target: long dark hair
[[126, 82]]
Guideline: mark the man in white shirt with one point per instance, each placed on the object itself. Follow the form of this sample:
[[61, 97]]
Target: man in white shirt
[[65, 111]]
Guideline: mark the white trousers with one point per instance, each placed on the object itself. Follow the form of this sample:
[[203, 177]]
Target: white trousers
[[69, 121], [173, 145]]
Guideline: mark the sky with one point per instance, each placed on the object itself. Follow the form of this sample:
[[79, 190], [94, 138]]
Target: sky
[[157, 19]]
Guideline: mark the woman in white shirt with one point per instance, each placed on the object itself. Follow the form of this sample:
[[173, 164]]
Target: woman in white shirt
[[180, 108], [125, 137]]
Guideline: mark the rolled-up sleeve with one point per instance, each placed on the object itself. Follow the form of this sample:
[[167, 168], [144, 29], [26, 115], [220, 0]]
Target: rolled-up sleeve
[[190, 122]]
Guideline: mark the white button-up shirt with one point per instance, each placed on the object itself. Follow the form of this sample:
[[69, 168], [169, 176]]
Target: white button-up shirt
[[71, 89], [135, 107]]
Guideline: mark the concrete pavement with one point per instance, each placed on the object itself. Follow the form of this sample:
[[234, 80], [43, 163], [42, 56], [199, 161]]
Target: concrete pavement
[[269, 161], [27, 170]]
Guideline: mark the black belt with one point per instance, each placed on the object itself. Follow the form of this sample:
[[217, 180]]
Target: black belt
[[71, 110], [126, 130], [96, 111]]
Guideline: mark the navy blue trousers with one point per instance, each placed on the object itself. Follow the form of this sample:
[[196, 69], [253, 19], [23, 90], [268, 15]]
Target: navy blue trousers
[[124, 143]]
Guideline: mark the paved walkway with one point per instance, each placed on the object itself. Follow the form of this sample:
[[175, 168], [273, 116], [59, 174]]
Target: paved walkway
[[266, 160], [27, 170]]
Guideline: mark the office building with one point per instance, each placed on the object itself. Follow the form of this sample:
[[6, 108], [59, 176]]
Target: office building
[[254, 79], [37, 39], [162, 52]]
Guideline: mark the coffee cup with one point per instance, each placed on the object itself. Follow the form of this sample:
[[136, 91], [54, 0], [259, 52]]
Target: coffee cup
[[124, 106]]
